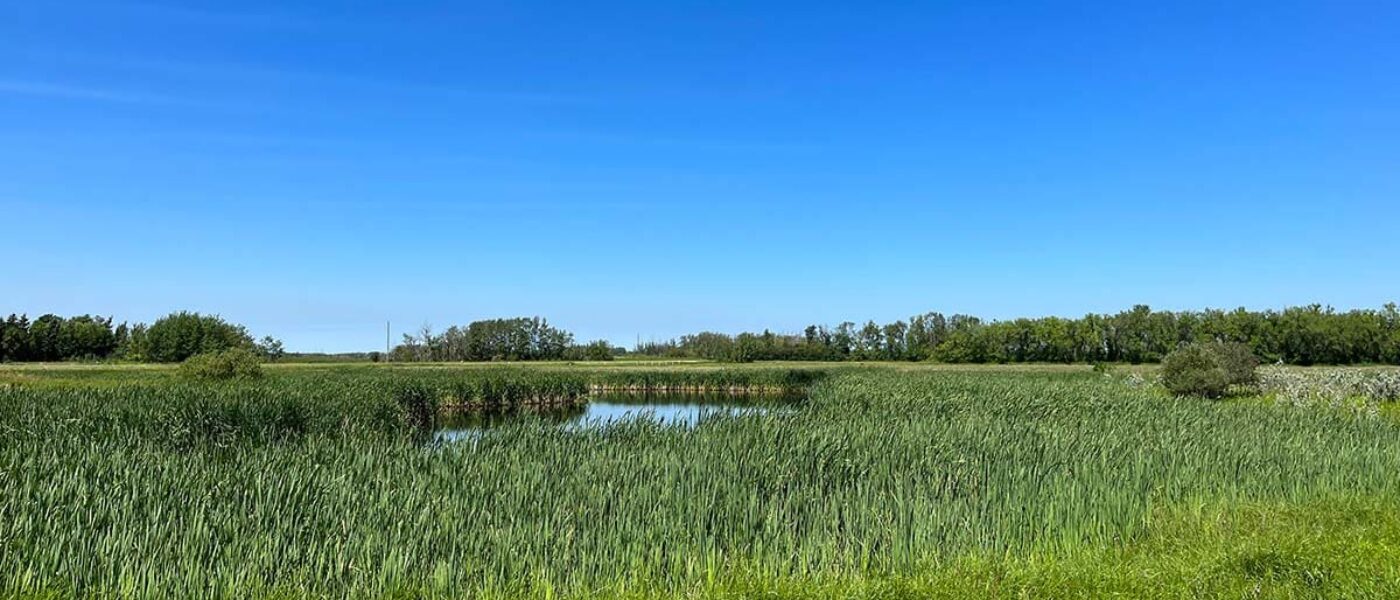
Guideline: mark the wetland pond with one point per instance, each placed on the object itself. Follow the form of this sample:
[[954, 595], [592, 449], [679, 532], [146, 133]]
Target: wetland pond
[[604, 408]]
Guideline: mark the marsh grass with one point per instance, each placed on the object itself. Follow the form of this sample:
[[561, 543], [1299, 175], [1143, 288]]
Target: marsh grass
[[885, 484]]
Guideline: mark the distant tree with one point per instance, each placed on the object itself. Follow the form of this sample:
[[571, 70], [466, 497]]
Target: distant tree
[[596, 350], [271, 349], [86, 337], [871, 341], [493, 339], [1390, 334], [1302, 335], [599, 350], [14, 339], [709, 345], [746, 348], [45, 341], [133, 344], [894, 342], [180, 335]]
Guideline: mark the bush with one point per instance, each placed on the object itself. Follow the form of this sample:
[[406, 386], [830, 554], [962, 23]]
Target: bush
[[1238, 361], [235, 363], [1208, 370]]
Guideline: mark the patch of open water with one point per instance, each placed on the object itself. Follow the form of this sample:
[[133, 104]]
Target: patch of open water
[[602, 409]]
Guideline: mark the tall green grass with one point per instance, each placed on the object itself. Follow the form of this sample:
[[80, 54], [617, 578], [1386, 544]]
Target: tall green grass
[[716, 380], [308, 486]]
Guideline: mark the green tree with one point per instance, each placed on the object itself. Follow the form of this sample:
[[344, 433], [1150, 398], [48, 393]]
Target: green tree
[[871, 341], [14, 339], [271, 349], [86, 337], [180, 335], [894, 342], [45, 338]]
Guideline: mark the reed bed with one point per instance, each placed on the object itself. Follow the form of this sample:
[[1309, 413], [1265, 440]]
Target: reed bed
[[741, 381], [309, 487], [515, 390]]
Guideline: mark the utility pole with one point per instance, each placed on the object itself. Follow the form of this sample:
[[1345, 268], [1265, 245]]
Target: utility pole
[[386, 341]]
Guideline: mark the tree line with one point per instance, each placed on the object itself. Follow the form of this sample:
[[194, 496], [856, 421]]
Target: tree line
[[1302, 335], [1298, 335], [172, 338], [521, 338]]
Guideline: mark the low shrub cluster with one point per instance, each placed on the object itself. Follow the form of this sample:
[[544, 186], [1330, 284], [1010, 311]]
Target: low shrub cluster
[[1208, 369], [234, 363]]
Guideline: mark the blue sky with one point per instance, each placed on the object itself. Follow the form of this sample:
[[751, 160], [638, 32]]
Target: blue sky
[[313, 169]]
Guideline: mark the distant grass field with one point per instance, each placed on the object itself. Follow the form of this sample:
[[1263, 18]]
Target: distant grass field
[[892, 481]]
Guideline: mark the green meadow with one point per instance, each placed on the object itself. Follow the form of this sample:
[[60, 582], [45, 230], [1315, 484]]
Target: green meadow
[[886, 481]]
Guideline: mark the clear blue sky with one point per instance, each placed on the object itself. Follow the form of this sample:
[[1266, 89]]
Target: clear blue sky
[[312, 169]]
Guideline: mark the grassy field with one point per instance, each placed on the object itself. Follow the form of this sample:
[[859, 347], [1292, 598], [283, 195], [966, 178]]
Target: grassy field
[[890, 482]]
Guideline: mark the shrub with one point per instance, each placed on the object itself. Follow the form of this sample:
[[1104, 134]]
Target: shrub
[[1194, 370], [234, 363], [1238, 360], [1208, 370]]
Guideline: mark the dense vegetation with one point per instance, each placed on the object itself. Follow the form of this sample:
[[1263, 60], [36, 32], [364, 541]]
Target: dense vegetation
[[946, 483], [232, 363], [521, 338], [1300, 335], [52, 338], [1208, 369], [172, 338]]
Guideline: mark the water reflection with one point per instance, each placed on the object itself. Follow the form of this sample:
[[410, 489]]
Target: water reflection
[[614, 407]]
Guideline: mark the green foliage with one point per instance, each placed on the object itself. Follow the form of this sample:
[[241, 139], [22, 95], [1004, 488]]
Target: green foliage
[[490, 340], [181, 335], [887, 484], [1238, 361], [735, 379], [1298, 335], [271, 349], [54, 338], [1208, 369], [1195, 370], [418, 404], [597, 350], [233, 363]]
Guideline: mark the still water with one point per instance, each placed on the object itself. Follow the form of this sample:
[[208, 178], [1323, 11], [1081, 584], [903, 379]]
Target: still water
[[614, 407]]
